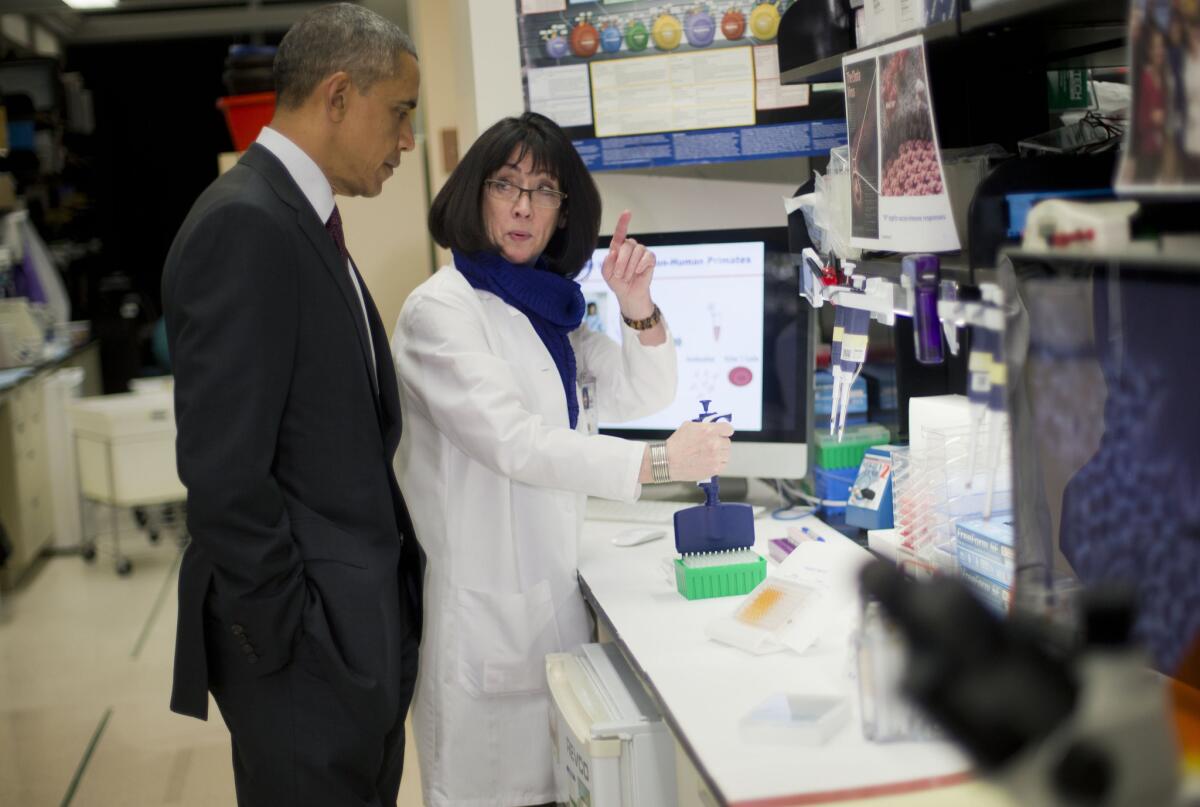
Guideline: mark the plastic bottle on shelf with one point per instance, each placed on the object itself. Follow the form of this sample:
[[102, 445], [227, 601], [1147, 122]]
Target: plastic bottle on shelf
[[556, 46], [764, 22], [700, 29], [585, 39], [610, 38], [667, 32], [636, 36], [733, 25]]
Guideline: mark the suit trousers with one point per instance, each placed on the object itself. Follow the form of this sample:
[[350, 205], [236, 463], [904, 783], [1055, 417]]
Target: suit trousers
[[297, 743]]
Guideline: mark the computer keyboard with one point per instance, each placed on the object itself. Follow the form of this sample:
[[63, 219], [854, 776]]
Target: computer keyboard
[[643, 512]]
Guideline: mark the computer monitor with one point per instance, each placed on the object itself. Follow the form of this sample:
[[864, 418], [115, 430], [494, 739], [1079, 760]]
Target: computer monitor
[[744, 339], [1106, 440]]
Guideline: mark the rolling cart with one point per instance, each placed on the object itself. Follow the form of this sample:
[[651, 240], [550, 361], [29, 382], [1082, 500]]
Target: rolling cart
[[125, 449]]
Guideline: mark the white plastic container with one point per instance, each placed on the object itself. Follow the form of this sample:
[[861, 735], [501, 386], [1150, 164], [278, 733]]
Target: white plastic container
[[611, 746], [126, 449]]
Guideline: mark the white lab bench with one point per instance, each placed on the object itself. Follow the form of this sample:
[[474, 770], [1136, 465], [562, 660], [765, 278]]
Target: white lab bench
[[705, 688]]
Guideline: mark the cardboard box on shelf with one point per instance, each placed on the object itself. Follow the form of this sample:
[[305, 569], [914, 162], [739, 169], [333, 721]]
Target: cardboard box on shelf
[[8, 192]]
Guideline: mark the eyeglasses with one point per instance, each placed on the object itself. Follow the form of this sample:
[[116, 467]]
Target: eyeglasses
[[508, 192]]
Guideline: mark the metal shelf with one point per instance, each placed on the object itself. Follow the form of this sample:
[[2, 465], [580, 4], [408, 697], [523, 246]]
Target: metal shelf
[[1071, 14], [1067, 33], [1156, 260], [829, 69], [954, 267]]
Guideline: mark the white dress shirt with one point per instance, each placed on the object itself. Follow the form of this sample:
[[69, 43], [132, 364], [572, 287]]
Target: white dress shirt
[[317, 190]]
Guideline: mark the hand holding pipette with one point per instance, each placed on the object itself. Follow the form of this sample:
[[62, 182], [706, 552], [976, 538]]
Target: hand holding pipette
[[715, 525], [698, 451]]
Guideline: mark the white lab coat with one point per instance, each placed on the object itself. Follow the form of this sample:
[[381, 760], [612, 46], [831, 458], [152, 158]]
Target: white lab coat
[[496, 483]]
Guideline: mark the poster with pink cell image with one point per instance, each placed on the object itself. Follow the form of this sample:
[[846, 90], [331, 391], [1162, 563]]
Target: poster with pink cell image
[[898, 184]]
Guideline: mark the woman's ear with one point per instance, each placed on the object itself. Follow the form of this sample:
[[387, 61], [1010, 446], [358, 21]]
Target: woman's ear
[[562, 219]]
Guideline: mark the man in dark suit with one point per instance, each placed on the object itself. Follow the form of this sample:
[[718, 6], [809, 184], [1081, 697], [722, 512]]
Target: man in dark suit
[[300, 594]]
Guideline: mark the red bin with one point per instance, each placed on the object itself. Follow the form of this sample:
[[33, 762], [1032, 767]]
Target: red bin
[[246, 115]]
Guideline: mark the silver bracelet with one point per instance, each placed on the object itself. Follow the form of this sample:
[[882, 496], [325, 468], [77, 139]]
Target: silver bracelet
[[660, 471]]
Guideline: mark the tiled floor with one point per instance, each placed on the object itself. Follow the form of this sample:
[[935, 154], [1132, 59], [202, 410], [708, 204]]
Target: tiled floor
[[85, 668]]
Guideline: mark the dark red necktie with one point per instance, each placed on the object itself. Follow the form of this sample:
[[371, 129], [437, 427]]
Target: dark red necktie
[[334, 226]]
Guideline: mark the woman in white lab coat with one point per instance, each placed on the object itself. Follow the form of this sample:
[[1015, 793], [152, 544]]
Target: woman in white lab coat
[[497, 459]]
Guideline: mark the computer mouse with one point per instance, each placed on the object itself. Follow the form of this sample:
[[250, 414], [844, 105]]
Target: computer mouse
[[638, 535]]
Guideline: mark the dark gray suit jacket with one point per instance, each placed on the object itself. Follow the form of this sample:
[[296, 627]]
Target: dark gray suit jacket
[[300, 535]]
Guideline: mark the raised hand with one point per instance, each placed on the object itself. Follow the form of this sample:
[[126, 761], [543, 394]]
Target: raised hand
[[628, 270]]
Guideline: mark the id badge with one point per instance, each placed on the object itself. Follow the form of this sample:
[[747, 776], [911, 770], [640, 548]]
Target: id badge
[[589, 413]]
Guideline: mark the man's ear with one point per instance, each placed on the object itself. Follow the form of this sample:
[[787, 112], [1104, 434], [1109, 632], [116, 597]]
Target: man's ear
[[334, 91]]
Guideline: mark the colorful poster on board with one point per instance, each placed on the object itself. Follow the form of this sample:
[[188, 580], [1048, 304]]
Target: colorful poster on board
[[699, 81], [1162, 147], [553, 32], [899, 201]]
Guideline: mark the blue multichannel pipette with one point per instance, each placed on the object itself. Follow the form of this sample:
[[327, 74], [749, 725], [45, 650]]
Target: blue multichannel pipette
[[714, 526]]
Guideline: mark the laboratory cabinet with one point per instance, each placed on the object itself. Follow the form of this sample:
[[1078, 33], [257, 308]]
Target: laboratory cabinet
[[28, 488]]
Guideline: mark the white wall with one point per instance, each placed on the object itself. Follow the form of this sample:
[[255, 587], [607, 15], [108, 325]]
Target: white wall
[[388, 238], [688, 202], [493, 63]]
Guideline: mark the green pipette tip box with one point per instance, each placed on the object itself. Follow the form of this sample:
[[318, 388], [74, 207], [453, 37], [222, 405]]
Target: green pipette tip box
[[739, 576], [850, 451]]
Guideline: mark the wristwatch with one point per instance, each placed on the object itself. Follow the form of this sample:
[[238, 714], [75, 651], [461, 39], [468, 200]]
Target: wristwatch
[[644, 324], [660, 471]]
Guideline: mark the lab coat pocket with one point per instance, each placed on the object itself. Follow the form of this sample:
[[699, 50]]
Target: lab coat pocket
[[503, 639]]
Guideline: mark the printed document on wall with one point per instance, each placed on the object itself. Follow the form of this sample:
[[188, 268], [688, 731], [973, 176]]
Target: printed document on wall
[[899, 201], [562, 94], [649, 94], [770, 92]]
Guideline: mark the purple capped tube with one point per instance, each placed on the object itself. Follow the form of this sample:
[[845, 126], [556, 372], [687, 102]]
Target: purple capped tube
[[925, 273]]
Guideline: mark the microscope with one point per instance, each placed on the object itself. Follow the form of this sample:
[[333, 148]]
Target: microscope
[[1081, 727]]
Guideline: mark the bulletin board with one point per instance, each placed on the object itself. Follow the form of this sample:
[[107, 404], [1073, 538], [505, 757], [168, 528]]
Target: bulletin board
[[637, 83]]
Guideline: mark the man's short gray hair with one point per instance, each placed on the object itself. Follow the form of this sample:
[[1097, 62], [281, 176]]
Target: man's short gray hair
[[339, 37]]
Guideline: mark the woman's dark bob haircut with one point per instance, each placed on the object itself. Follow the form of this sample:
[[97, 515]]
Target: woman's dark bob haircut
[[456, 217]]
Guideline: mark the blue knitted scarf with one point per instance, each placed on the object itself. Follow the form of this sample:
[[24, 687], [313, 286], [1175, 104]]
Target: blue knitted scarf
[[554, 305]]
